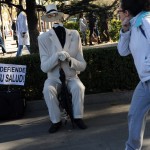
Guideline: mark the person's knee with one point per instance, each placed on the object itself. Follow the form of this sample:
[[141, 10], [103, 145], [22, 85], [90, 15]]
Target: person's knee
[[49, 89], [78, 88]]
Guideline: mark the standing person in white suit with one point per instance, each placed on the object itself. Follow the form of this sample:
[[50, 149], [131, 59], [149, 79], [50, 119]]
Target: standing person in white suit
[[22, 31], [61, 48]]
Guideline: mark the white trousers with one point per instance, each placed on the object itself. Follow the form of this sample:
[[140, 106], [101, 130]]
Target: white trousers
[[51, 91]]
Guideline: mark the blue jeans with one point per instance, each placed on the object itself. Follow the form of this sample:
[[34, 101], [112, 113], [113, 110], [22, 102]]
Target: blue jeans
[[140, 105], [19, 51]]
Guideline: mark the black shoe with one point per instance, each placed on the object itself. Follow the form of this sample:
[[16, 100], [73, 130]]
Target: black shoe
[[80, 123], [99, 42], [55, 127], [4, 53]]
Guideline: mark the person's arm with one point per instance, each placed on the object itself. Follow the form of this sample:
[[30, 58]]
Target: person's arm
[[123, 43], [78, 63], [48, 62]]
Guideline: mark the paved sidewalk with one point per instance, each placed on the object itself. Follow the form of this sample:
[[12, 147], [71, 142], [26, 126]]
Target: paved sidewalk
[[11, 48], [105, 115]]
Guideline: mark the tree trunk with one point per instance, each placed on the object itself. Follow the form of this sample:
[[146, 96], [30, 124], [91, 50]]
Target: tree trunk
[[32, 25], [104, 27], [20, 2]]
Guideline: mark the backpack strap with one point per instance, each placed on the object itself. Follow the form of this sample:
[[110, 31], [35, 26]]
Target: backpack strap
[[143, 32]]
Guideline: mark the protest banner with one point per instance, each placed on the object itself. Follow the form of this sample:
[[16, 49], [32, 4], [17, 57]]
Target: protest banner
[[11, 74]]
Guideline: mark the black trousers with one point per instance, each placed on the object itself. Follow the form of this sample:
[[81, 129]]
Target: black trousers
[[2, 45]]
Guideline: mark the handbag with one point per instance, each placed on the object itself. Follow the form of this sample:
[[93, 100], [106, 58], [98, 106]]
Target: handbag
[[12, 105], [94, 37]]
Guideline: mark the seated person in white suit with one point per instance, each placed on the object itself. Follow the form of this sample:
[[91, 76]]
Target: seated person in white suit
[[61, 47]]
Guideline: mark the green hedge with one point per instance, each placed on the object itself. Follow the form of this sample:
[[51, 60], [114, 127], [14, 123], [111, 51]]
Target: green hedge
[[72, 25], [105, 72], [114, 29]]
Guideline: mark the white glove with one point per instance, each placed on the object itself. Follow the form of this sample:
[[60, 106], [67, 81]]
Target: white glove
[[63, 55], [68, 58]]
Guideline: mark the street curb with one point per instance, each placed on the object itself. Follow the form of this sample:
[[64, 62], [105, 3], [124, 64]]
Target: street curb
[[111, 97]]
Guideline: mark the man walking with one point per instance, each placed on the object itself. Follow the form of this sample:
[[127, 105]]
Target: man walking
[[22, 31]]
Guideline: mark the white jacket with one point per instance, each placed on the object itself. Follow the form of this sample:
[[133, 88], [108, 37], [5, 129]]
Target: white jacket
[[49, 47], [134, 42], [21, 26], [83, 24]]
